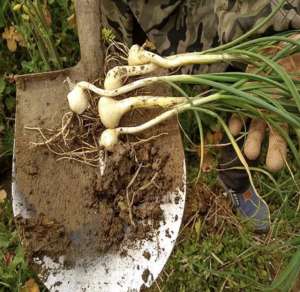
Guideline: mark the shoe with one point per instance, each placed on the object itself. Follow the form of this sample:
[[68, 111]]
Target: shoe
[[250, 206]]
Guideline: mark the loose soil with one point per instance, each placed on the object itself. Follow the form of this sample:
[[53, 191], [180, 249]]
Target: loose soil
[[129, 194]]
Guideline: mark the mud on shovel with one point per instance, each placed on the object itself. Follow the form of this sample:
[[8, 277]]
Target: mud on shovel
[[41, 101]]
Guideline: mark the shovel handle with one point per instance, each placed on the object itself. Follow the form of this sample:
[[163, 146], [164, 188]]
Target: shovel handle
[[88, 18]]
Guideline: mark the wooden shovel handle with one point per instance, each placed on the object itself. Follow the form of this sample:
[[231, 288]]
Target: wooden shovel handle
[[88, 18]]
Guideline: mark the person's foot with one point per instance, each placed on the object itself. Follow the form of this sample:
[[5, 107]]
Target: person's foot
[[250, 206]]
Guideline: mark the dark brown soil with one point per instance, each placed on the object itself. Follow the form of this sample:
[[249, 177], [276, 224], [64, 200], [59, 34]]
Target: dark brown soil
[[129, 194], [147, 255], [41, 236], [145, 276]]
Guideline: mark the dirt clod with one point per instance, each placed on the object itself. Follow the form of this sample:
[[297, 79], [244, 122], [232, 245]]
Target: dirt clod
[[145, 276], [128, 197], [147, 255]]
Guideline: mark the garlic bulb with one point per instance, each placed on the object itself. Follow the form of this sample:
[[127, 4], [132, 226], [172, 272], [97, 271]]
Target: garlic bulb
[[136, 56], [109, 138], [78, 100], [113, 79], [110, 111]]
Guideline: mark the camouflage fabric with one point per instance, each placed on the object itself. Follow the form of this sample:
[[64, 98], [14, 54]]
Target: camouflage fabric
[[178, 26]]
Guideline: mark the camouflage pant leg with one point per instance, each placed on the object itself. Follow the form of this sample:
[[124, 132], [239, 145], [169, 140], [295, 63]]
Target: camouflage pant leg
[[178, 26], [239, 16]]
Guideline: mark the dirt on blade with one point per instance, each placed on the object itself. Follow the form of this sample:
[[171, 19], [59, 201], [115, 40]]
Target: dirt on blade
[[97, 213]]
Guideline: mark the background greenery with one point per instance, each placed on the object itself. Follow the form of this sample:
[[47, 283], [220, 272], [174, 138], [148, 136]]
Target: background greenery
[[214, 252]]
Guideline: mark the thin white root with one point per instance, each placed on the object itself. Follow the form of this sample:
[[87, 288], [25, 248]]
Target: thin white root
[[111, 111]]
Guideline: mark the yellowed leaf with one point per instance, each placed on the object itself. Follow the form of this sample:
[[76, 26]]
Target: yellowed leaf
[[30, 286], [3, 196], [72, 20], [12, 45], [12, 37], [17, 7], [47, 15]]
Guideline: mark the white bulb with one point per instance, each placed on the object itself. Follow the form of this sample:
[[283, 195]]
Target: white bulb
[[135, 56], [113, 80], [109, 139], [111, 111], [78, 100]]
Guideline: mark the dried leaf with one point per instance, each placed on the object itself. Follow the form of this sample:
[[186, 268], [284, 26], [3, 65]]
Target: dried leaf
[[149, 45], [214, 138], [12, 45], [3, 196], [13, 38], [72, 20], [209, 162], [8, 257], [197, 227], [30, 286], [47, 15]]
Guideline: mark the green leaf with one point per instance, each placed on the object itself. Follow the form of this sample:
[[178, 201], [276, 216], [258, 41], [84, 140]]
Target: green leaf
[[2, 86], [10, 103], [8, 140], [3, 10], [287, 277]]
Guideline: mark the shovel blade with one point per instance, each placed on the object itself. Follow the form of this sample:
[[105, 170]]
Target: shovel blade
[[60, 190]]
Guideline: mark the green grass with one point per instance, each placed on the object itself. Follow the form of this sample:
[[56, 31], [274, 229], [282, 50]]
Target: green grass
[[231, 257], [14, 270]]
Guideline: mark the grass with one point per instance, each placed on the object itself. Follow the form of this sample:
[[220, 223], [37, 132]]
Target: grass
[[14, 270], [214, 251]]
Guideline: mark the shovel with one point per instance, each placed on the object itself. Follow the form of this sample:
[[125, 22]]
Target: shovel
[[57, 190]]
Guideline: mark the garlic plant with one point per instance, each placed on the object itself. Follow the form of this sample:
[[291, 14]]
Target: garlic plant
[[110, 137], [141, 62], [139, 56], [111, 111]]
